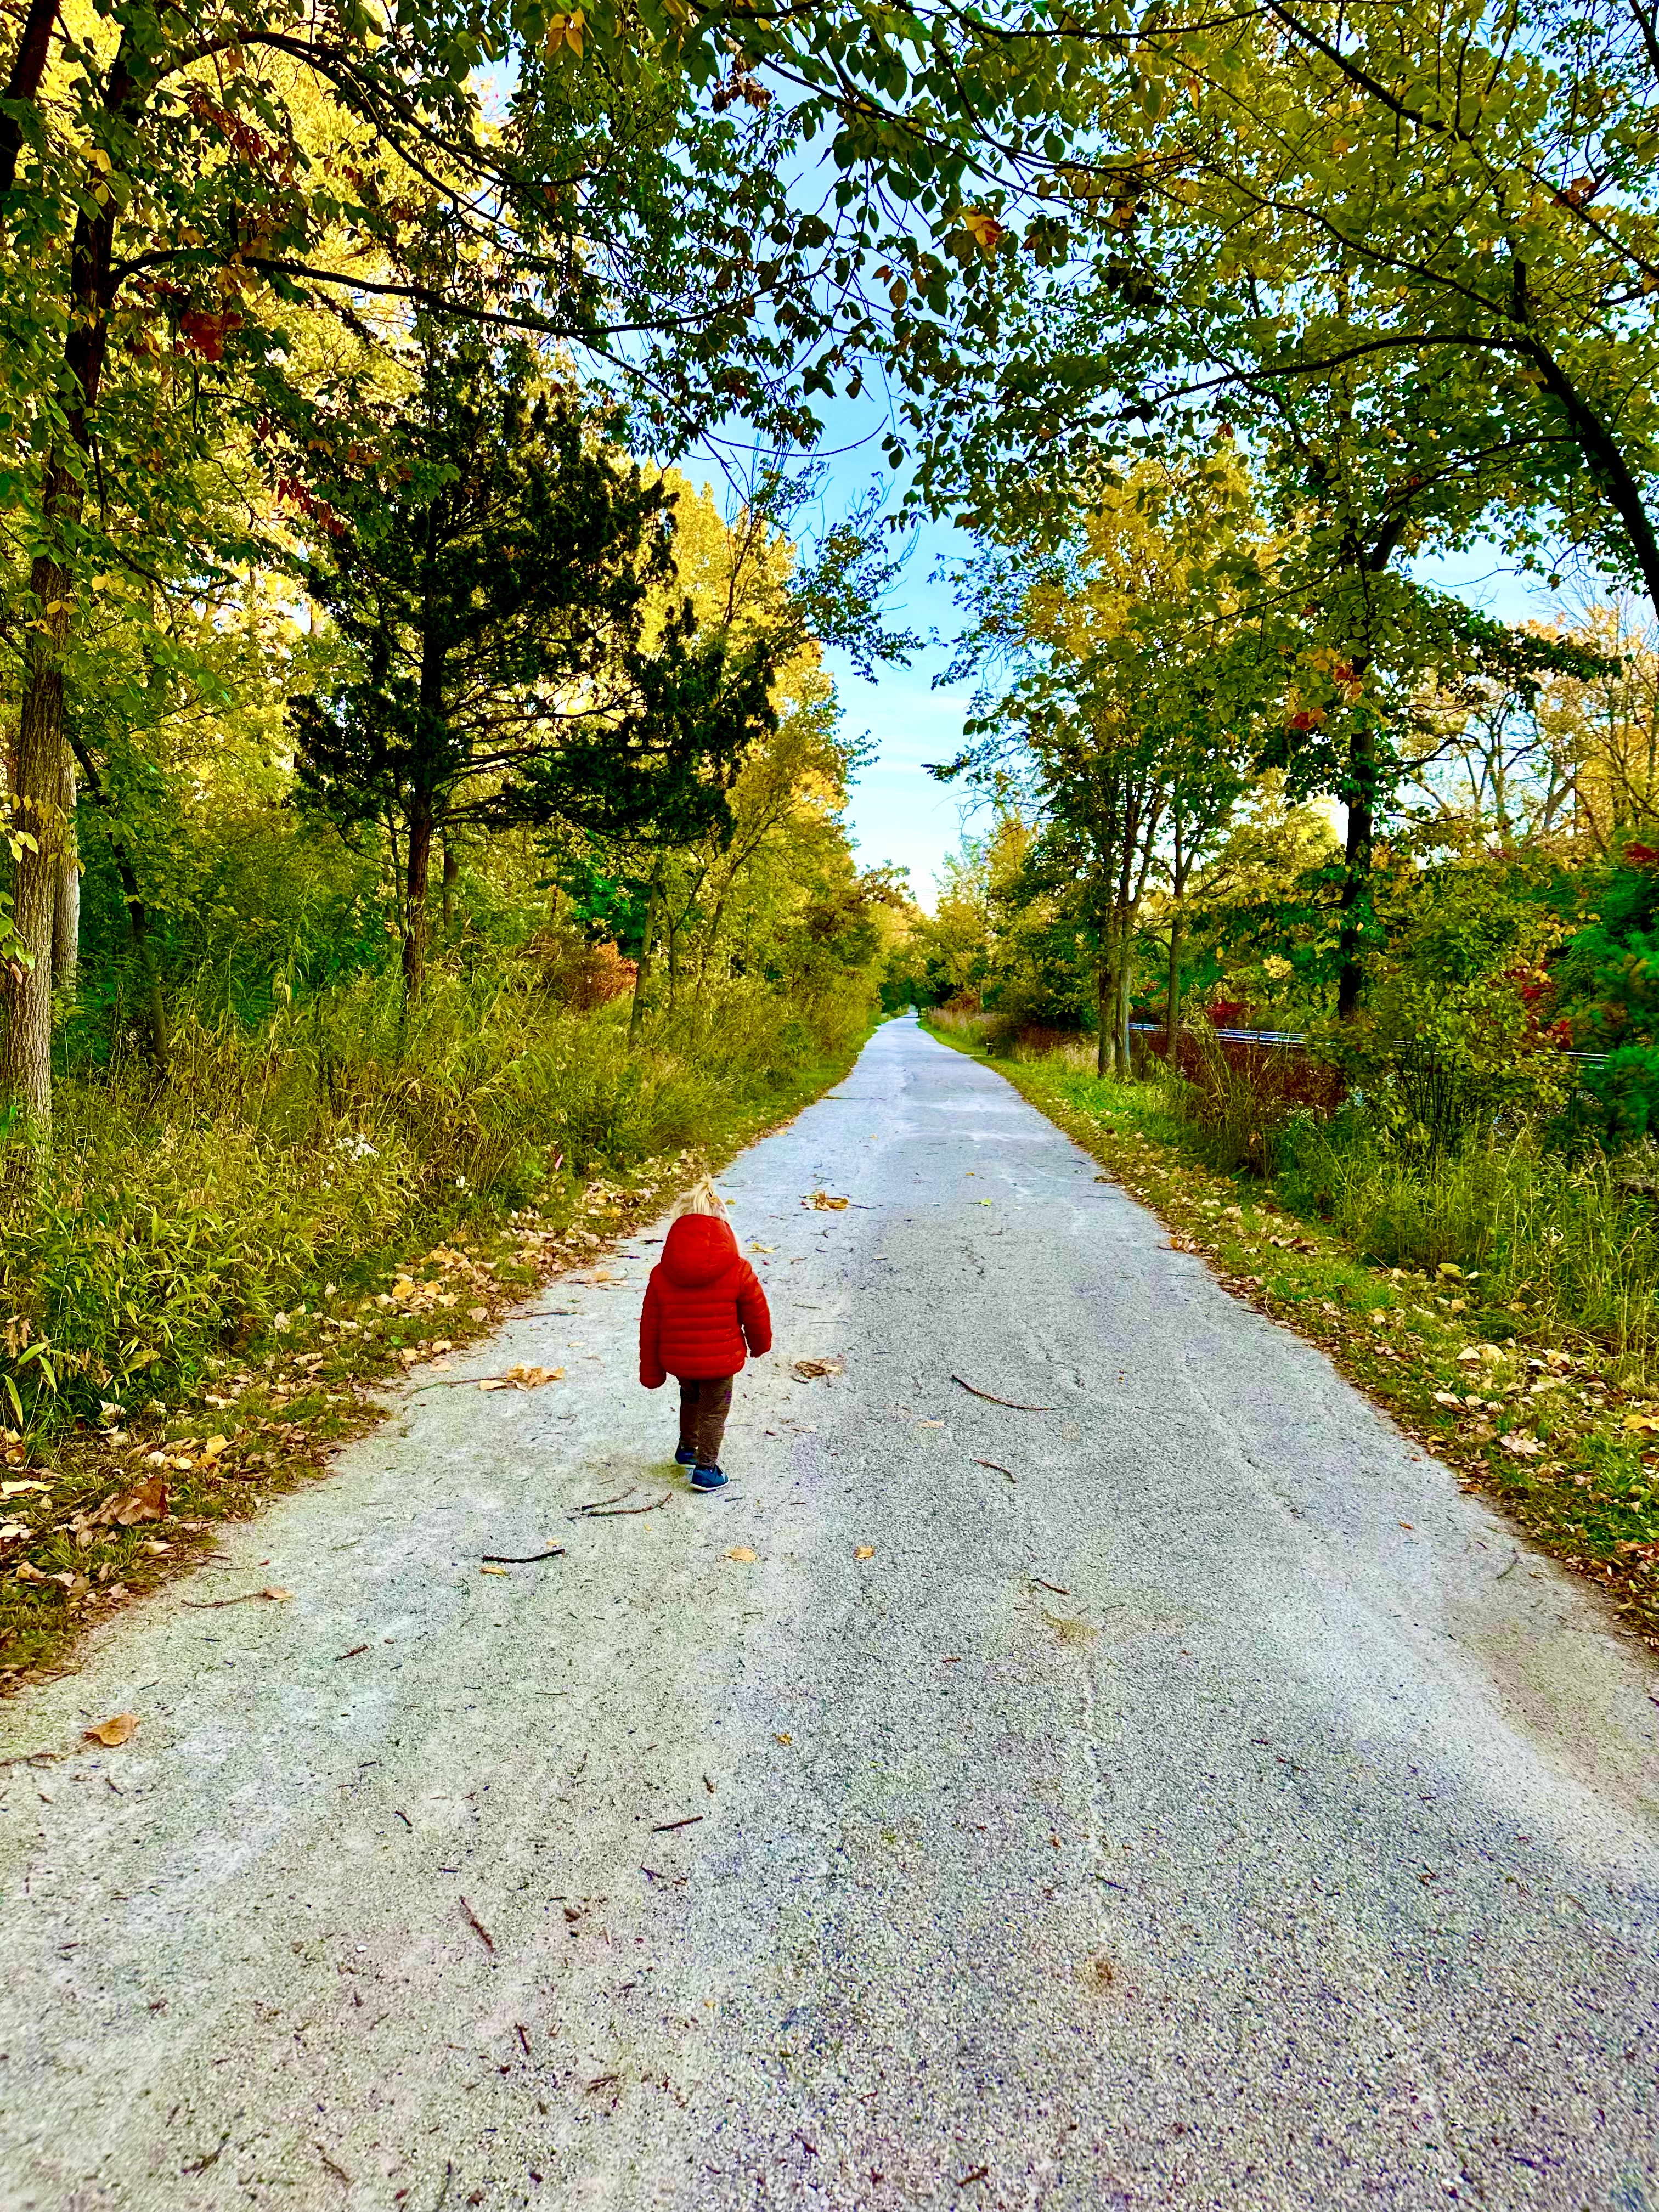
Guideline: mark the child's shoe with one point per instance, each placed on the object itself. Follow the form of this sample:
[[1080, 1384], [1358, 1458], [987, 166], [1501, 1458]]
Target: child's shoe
[[708, 1478], [684, 1456]]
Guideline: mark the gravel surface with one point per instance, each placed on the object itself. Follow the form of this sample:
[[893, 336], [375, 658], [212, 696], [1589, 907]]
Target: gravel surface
[[1205, 1804]]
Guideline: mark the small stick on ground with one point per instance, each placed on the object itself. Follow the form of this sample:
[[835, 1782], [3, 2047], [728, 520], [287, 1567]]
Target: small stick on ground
[[404, 1818], [996, 1468], [477, 1928], [667, 1827], [991, 1399], [521, 1558], [618, 1512], [1059, 1588], [338, 2171], [352, 1654], [519, 2030]]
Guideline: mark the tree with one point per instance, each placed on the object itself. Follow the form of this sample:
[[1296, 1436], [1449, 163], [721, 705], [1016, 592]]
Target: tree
[[491, 563]]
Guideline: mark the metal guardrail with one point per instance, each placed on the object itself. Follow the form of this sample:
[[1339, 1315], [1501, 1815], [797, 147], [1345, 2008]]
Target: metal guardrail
[[1287, 1038]]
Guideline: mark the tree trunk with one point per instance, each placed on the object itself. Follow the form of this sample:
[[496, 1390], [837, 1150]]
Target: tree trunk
[[642, 972], [1172, 997], [417, 871], [1356, 867], [66, 906], [1103, 1011], [452, 869], [26, 1064], [673, 962], [1120, 1008]]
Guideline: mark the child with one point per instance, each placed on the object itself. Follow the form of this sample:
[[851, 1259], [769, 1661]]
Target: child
[[703, 1304]]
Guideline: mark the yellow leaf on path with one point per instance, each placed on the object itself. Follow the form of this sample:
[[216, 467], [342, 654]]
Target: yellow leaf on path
[[118, 1729], [27, 1573], [741, 1551], [864, 1551], [785, 1738], [487, 1570], [763, 1247], [280, 1596], [821, 1203]]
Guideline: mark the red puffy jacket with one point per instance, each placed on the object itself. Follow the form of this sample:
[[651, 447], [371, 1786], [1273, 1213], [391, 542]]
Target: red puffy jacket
[[703, 1305]]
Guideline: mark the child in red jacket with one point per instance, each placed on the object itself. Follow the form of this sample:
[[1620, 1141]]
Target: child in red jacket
[[703, 1307]]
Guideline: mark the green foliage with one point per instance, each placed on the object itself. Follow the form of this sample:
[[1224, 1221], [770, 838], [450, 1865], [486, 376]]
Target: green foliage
[[343, 1133]]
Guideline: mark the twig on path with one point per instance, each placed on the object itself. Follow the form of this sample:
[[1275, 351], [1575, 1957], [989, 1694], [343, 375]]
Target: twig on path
[[1515, 1561], [521, 1558], [519, 2030], [477, 1928], [30, 1757], [404, 1818], [996, 1468], [975, 2173], [667, 1827], [550, 1313], [1059, 1588], [593, 1503], [218, 1604], [352, 1654], [338, 2171], [990, 1398], [618, 1512]]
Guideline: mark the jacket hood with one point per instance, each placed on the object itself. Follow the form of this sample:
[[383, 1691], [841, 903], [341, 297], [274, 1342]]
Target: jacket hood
[[699, 1247]]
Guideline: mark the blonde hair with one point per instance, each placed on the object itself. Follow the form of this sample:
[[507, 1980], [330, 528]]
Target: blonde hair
[[701, 1198]]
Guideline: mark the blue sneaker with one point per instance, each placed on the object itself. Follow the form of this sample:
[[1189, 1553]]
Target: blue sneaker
[[708, 1478], [684, 1456]]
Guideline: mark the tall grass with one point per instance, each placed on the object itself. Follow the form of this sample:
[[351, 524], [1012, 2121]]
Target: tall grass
[[1550, 1244], [176, 1224]]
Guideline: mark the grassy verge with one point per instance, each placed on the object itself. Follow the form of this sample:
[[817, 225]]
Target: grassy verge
[[1552, 1425], [217, 1288]]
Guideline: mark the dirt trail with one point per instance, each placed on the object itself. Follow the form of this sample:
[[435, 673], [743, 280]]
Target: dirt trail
[[1192, 1799]]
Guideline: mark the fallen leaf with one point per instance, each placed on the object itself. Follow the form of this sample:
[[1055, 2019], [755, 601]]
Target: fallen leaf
[[864, 1551], [763, 1247], [1452, 1274], [27, 1573], [15, 1489], [14, 1529], [1522, 1447], [741, 1551], [1447, 1398], [404, 1288], [494, 1383], [810, 1370], [145, 1501], [1635, 1421], [1408, 1525], [785, 1738], [214, 1446], [822, 1203], [118, 1729], [930, 1424], [487, 1570], [532, 1378]]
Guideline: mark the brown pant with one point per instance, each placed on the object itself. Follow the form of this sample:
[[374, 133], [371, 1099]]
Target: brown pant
[[703, 1408]]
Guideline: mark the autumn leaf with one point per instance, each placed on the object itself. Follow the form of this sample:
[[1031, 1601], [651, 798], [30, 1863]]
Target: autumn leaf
[[741, 1551], [487, 1570], [118, 1729], [864, 1551], [810, 1370], [821, 1203]]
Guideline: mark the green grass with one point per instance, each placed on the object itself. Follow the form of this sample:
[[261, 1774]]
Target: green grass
[[1517, 1286]]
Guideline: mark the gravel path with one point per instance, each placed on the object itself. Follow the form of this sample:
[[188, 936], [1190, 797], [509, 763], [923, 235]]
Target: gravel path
[[1205, 1804]]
